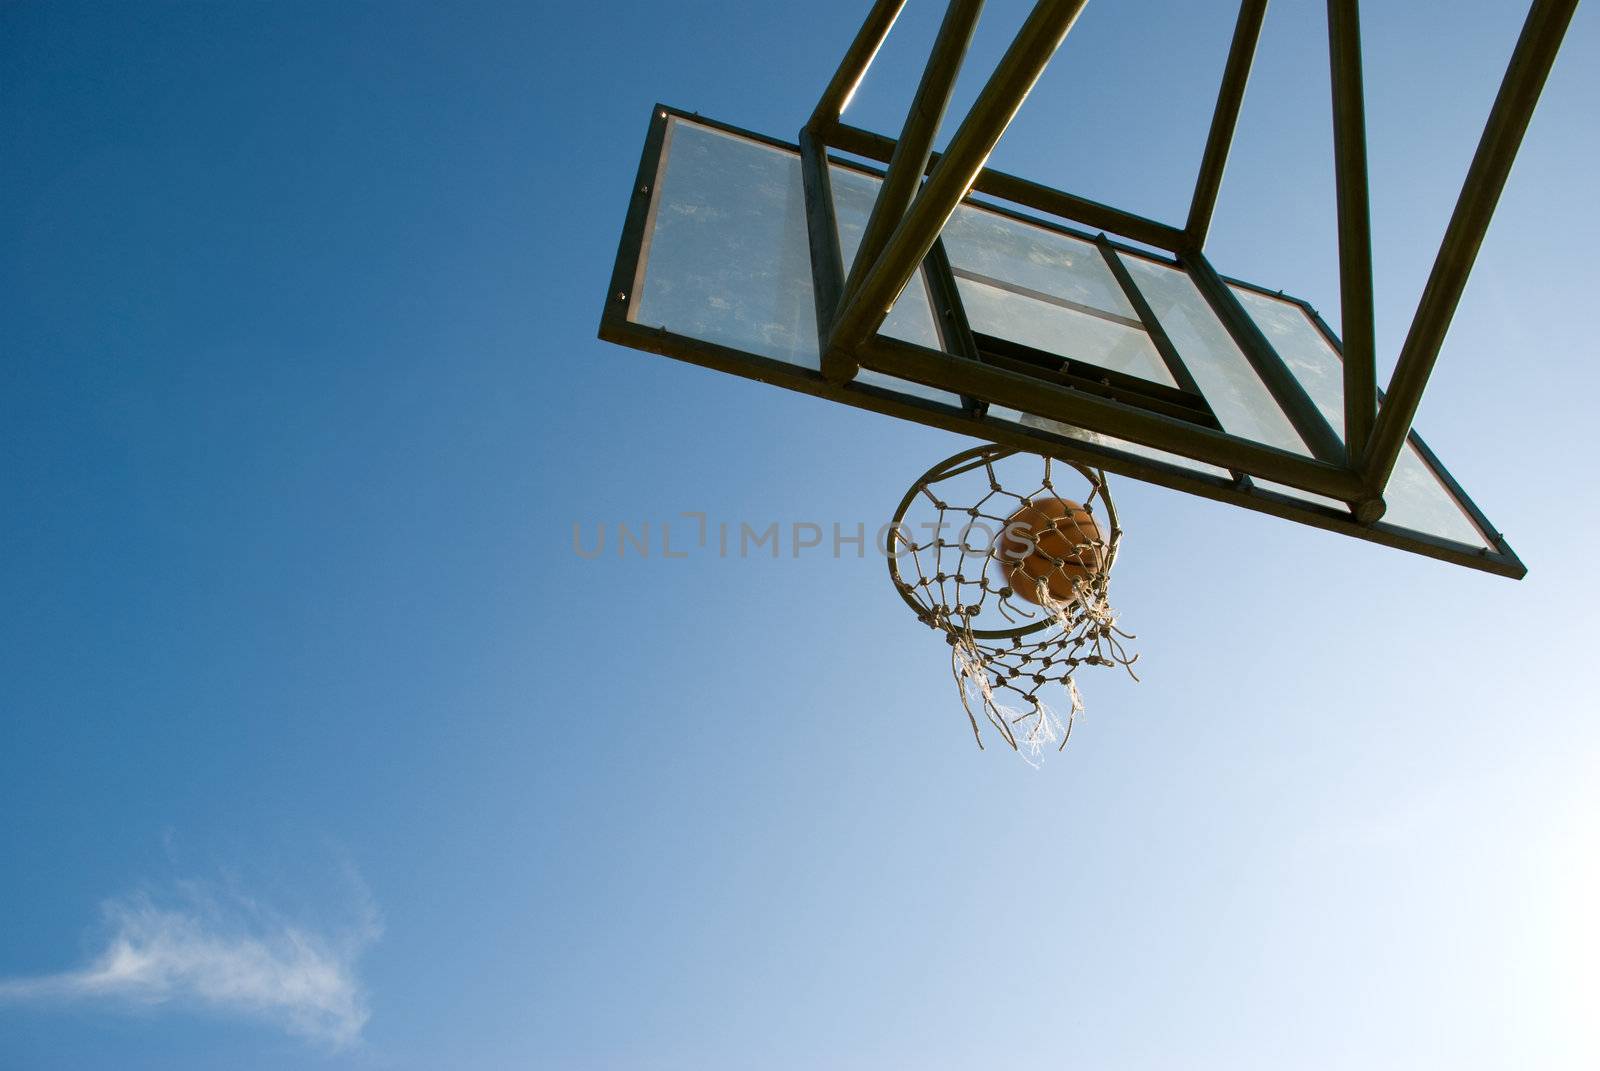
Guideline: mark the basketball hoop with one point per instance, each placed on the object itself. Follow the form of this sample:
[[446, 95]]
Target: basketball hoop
[[1034, 564]]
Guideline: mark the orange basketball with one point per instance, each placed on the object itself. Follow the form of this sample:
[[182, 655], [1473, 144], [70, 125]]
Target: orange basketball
[[1067, 546]]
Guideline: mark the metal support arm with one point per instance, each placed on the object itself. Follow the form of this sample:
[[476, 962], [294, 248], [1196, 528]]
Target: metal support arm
[[857, 58], [1355, 227], [862, 313], [1491, 164], [1241, 54], [911, 151]]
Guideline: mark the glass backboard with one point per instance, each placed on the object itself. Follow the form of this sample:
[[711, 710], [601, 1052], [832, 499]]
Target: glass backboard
[[716, 268]]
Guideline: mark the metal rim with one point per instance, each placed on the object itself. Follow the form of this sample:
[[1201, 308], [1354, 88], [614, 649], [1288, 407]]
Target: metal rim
[[952, 466]]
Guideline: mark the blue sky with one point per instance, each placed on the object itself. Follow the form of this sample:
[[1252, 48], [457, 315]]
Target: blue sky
[[320, 747]]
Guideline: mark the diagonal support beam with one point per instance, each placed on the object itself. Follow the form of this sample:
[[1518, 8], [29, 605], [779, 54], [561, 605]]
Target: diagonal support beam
[[915, 145], [1486, 177], [857, 58], [863, 312], [822, 230], [1241, 54], [1355, 227]]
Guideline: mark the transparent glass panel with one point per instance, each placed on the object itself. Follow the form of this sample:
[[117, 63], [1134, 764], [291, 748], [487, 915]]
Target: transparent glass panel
[[1105, 343], [1069, 431], [998, 247], [727, 259], [911, 318], [1303, 348], [1230, 385], [906, 386], [1304, 496], [1417, 499], [1047, 290]]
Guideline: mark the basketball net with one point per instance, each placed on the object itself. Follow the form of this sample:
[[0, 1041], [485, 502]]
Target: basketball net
[[1022, 609]]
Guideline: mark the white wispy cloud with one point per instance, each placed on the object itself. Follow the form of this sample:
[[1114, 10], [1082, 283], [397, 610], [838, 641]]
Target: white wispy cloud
[[218, 949]]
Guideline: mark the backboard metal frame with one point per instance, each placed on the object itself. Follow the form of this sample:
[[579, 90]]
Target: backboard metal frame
[[965, 372]]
